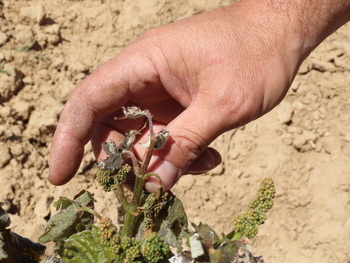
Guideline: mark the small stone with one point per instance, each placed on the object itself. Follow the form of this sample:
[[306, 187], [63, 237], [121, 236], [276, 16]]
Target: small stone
[[3, 38], [28, 80], [53, 29], [285, 113], [24, 36], [58, 63], [32, 14], [22, 110], [5, 155], [287, 139], [310, 136], [299, 141], [10, 82]]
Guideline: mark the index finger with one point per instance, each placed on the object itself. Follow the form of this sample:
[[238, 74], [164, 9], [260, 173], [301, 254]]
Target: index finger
[[101, 93]]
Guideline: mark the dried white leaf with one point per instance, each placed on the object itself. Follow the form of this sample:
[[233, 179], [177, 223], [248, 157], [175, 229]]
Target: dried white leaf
[[196, 246], [161, 139], [134, 112]]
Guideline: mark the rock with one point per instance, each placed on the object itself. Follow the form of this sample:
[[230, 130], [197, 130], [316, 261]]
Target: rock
[[287, 139], [5, 155], [24, 36], [42, 122], [57, 63], [28, 80], [285, 112], [3, 38], [310, 136], [332, 145], [10, 82], [299, 141], [22, 110], [33, 14], [52, 29], [50, 34], [2, 57]]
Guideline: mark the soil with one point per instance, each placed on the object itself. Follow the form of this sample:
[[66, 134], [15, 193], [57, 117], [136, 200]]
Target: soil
[[47, 47]]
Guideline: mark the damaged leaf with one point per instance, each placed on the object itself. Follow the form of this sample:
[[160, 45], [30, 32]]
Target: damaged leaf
[[70, 219]]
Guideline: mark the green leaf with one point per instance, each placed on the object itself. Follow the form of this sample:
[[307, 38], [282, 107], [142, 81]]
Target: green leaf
[[226, 252], [84, 247], [71, 218]]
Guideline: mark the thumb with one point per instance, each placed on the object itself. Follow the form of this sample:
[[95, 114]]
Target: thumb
[[186, 149]]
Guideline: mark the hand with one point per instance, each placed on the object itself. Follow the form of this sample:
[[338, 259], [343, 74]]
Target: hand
[[199, 77]]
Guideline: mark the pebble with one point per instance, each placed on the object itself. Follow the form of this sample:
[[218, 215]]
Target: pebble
[[10, 82], [32, 14], [24, 36], [5, 155], [3, 38], [299, 141], [287, 139], [285, 112]]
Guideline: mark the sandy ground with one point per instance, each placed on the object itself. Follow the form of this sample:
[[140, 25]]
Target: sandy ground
[[47, 47]]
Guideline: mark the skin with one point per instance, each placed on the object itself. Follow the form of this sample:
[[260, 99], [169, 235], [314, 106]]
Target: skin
[[199, 77]]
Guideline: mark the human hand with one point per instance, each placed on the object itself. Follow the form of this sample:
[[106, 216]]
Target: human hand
[[199, 77]]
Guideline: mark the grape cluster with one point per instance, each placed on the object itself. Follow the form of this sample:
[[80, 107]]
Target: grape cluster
[[109, 180], [131, 248], [154, 248], [263, 201], [249, 221], [151, 213], [109, 235], [105, 179], [150, 249]]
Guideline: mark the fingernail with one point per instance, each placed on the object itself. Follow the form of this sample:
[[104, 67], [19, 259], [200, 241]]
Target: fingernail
[[204, 163], [168, 173]]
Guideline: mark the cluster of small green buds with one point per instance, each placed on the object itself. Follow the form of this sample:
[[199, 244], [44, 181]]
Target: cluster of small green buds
[[109, 180], [105, 179], [263, 201], [154, 248], [154, 207], [123, 173], [249, 221], [109, 235], [131, 248]]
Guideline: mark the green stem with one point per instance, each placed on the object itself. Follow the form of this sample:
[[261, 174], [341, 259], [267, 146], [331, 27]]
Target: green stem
[[129, 222], [91, 211], [121, 196], [160, 183]]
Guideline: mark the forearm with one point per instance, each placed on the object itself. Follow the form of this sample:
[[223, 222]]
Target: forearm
[[303, 23], [320, 18]]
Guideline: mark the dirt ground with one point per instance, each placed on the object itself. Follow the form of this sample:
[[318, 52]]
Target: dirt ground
[[47, 47]]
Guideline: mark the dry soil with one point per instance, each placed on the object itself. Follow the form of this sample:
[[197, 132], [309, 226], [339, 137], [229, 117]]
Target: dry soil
[[47, 47]]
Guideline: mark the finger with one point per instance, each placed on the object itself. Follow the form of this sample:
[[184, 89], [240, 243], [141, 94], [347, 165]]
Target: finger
[[189, 135], [102, 93]]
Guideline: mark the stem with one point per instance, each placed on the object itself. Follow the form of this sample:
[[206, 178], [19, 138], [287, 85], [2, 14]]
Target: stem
[[135, 163], [150, 123], [160, 183], [121, 196], [147, 157], [91, 211], [129, 222]]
